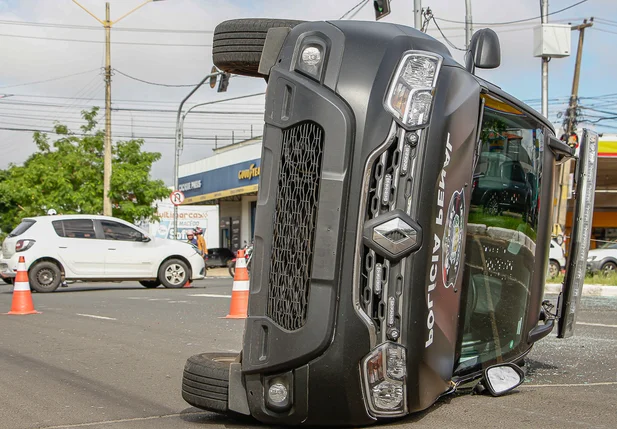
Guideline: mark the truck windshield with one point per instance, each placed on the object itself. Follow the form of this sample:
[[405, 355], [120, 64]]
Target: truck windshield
[[501, 235]]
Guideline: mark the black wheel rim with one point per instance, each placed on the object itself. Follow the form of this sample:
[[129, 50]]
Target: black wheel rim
[[45, 277]]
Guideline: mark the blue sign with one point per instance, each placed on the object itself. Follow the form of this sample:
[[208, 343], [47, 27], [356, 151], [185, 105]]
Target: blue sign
[[222, 179]]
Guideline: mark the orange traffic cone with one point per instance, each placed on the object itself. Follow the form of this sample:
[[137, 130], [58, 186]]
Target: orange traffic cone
[[22, 297], [240, 291]]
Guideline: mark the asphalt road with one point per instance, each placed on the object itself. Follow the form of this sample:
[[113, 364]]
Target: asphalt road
[[111, 357]]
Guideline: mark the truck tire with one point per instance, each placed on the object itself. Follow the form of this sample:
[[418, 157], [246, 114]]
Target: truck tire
[[238, 44], [44, 276], [205, 381]]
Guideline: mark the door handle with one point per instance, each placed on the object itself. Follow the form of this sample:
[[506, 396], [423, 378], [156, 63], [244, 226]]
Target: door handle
[[111, 248], [62, 247]]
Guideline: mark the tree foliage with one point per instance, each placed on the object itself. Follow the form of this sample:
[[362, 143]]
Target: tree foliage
[[67, 175]]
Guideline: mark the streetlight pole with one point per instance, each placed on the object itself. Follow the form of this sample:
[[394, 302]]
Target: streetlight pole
[[107, 24]]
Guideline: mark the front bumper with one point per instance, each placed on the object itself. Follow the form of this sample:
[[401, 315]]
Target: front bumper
[[198, 266], [8, 268], [594, 266]]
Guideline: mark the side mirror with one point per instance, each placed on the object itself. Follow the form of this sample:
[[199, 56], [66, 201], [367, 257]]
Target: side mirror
[[484, 51], [146, 239], [502, 378]]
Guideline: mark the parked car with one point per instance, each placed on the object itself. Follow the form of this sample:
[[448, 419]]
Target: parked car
[[556, 260], [501, 184], [219, 257], [603, 259], [96, 248]]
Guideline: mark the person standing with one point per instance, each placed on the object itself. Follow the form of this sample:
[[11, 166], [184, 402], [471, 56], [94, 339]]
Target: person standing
[[201, 241]]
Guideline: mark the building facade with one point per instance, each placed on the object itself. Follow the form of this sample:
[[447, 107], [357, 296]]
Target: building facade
[[229, 179]]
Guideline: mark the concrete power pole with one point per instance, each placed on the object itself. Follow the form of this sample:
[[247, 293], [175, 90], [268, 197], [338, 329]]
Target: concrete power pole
[[545, 61], [107, 24], [107, 209], [571, 117], [468, 24], [417, 14]]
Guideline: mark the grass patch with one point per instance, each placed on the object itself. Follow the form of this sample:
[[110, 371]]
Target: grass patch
[[591, 279], [507, 222]]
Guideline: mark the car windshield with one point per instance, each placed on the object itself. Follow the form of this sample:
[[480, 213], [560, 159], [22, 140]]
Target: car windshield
[[22, 227]]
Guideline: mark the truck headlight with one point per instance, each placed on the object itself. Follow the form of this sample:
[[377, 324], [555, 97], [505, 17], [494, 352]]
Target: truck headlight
[[410, 94], [385, 376]]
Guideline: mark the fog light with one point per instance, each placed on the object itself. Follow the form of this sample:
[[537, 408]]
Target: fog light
[[387, 395], [384, 374], [311, 56], [278, 393]]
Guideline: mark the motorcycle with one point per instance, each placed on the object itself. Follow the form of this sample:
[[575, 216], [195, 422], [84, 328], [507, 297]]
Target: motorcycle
[[248, 255]]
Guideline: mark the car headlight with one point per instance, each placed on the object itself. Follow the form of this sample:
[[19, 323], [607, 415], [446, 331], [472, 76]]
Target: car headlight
[[591, 258], [410, 95], [385, 376]]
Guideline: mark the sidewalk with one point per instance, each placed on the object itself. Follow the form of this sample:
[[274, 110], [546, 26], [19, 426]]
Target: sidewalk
[[588, 290], [218, 273]]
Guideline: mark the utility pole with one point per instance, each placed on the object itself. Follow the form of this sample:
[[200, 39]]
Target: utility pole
[[569, 124], [417, 14], [107, 208], [107, 24], [570, 121], [545, 61], [468, 24]]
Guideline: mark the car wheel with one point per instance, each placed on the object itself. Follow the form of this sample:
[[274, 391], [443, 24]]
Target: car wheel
[[150, 284], [44, 277], [609, 268], [491, 207], [8, 281], [173, 274], [238, 43], [205, 381], [553, 269]]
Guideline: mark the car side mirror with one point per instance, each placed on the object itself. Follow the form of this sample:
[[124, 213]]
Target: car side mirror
[[146, 239], [502, 378], [484, 51]]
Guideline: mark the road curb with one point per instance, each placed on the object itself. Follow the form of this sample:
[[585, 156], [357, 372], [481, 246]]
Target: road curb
[[588, 290]]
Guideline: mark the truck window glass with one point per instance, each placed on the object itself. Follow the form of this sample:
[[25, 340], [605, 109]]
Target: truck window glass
[[501, 236]]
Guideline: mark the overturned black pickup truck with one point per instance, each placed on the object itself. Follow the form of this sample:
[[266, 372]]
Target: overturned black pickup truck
[[403, 227]]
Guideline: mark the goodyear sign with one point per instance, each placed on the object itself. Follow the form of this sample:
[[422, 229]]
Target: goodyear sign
[[236, 179]]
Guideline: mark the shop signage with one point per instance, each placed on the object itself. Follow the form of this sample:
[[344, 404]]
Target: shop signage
[[249, 173]]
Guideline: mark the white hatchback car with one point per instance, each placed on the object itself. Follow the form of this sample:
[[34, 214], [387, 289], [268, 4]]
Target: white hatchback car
[[96, 248]]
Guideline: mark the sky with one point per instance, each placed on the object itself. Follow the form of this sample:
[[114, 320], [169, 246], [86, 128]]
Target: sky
[[52, 58]]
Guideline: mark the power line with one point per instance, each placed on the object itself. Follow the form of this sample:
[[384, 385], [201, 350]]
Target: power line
[[101, 41], [91, 27], [445, 38], [518, 20], [154, 83], [359, 5], [603, 30], [49, 80], [144, 137]]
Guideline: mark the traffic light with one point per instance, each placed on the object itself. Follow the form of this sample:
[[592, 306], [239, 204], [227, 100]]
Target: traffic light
[[382, 8], [223, 83]]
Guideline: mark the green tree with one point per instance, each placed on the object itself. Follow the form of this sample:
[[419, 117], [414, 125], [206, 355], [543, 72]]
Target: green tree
[[67, 175]]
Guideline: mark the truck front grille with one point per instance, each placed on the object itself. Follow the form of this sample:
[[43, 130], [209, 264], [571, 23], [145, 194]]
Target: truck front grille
[[382, 280], [295, 219]]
